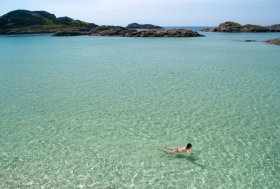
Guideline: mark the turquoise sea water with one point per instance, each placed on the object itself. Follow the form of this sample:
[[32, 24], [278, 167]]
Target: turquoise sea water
[[89, 112]]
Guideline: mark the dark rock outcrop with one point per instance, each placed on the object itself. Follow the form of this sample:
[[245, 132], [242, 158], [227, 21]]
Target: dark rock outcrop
[[24, 21], [236, 27], [142, 26], [125, 32], [274, 41], [254, 28], [249, 40], [69, 33], [209, 30]]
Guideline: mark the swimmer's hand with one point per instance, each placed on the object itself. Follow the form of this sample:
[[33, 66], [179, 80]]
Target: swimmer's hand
[[189, 153]]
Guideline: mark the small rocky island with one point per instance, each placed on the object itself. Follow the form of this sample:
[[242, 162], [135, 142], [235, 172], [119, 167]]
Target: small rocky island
[[34, 22], [125, 32], [236, 27], [142, 26]]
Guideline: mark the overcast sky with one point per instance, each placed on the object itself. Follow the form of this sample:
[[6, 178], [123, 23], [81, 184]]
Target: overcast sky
[[159, 12]]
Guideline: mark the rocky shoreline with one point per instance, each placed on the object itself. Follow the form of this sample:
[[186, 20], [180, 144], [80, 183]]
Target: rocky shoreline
[[236, 27], [125, 32], [40, 22]]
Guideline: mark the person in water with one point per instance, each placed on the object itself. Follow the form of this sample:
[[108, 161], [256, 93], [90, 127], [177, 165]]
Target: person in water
[[185, 149]]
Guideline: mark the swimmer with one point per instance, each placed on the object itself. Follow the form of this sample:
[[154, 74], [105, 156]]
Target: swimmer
[[173, 150]]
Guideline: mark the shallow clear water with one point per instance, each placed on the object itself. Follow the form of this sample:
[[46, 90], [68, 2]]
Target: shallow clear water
[[90, 112]]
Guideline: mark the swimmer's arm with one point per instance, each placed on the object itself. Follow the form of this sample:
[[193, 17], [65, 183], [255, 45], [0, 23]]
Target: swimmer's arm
[[189, 153]]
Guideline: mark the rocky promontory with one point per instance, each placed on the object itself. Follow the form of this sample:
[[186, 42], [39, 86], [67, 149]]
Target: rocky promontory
[[125, 32], [29, 22], [236, 27], [142, 26]]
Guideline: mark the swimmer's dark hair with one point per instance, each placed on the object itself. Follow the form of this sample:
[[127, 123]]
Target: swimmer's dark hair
[[189, 145]]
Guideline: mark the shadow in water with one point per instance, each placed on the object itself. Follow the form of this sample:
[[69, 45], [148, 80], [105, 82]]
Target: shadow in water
[[194, 161], [188, 158]]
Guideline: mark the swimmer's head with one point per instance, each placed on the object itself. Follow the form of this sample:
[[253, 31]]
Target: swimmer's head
[[189, 146]]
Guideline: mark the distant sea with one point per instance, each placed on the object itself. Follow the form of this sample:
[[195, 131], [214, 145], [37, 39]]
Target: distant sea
[[89, 112]]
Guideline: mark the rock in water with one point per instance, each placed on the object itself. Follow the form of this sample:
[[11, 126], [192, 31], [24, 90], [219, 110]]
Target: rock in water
[[142, 26], [236, 27], [249, 40], [124, 32], [274, 41]]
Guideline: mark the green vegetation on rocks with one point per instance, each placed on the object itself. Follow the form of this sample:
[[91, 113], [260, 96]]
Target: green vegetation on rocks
[[142, 26], [236, 27], [24, 21], [230, 25]]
